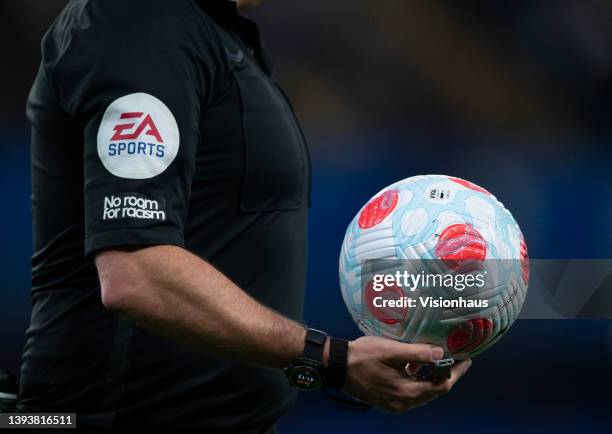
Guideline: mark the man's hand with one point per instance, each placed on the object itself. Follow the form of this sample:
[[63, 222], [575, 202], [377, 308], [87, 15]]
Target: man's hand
[[376, 373]]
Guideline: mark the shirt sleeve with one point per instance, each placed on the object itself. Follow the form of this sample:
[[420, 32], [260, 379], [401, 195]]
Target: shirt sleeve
[[139, 88]]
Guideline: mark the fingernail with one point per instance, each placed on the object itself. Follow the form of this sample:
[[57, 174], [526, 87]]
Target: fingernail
[[437, 353]]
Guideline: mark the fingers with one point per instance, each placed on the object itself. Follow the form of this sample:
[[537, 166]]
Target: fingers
[[414, 394], [445, 386], [377, 373], [413, 353]]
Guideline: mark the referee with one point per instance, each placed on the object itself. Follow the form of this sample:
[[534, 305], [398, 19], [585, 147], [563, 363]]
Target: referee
[[171, 183]]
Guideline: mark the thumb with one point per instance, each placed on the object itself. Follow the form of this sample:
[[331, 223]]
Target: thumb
[[414, 353]]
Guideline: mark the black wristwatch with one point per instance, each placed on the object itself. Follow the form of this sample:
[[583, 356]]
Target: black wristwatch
[[307, 372]]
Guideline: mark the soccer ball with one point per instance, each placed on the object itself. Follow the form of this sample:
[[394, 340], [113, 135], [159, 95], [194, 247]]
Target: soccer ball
[[440, 226]]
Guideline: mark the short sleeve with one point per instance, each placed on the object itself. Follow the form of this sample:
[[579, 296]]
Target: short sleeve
[[138, 88]]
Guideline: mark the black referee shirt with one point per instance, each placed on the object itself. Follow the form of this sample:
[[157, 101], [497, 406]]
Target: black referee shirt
[[157, 122]]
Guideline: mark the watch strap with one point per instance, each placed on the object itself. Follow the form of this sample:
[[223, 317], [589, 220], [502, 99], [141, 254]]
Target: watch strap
[[337, 363], [314, 345]]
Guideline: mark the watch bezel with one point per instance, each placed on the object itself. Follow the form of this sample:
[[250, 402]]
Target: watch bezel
[[310, 363], [308, 367]]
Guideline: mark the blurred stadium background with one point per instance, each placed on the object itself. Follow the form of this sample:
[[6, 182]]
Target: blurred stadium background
[[513, 95]]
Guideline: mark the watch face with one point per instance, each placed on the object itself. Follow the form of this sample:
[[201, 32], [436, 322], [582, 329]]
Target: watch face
[[305, 378]]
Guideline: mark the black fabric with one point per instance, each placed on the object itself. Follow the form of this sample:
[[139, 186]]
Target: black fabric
[[236, 194]]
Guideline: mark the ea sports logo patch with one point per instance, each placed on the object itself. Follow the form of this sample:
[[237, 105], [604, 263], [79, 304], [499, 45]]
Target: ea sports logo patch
[[146, 122], [138, 137]]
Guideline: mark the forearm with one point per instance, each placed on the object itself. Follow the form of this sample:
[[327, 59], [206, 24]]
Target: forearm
[[178, 295]]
